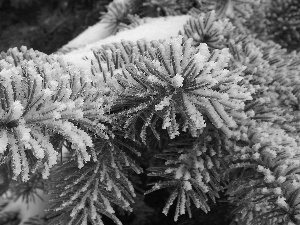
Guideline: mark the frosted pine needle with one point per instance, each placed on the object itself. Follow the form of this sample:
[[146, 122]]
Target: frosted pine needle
[[37, 105], [184, 81]]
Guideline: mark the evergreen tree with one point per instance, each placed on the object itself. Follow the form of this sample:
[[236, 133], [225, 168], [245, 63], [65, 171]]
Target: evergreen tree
[[211, 112]]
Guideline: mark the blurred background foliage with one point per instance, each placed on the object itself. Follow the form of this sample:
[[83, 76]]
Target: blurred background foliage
[[46, 25]]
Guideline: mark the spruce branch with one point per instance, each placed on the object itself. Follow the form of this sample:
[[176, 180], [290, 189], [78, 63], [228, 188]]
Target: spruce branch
[[228, 102], [268, 189], [40, 97], [235, 8], [117, 14], [89, 192], [207, 28], [28, 191], [194, 171], [180, 80]]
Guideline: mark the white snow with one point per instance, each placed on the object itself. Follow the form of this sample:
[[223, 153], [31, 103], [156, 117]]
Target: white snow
[[30, 210], [154, 29], [177, 80], [17, 110], [3, 141]]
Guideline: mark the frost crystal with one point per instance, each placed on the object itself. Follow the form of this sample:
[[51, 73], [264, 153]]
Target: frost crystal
[[16, 110], [3, 141], [177, 80], [165, 102], [281, 201]]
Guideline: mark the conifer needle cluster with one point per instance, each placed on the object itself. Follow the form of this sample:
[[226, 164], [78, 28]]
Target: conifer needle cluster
[[224, 103]]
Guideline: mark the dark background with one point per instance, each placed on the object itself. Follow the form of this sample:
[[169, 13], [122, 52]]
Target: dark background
[[46, 25]]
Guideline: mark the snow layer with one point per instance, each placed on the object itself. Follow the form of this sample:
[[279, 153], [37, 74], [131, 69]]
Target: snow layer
[[35, 208], [153, 29]]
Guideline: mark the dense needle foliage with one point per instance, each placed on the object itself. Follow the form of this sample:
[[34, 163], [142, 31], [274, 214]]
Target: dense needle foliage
[[211, 113]]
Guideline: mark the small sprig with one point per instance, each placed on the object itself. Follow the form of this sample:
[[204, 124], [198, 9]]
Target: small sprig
[[90, 192], [194, 172], [207, 28], [176, 79], [235, 8], [117, 12]]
